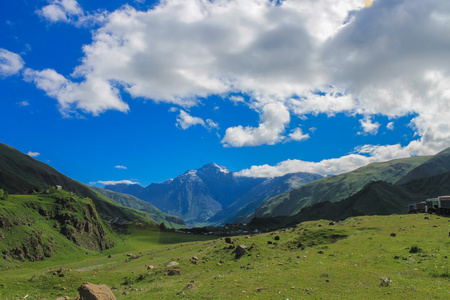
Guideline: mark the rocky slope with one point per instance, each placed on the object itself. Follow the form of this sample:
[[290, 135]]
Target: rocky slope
[[37, 226]]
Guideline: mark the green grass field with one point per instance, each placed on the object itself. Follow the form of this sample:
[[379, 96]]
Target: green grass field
[[313, 260]]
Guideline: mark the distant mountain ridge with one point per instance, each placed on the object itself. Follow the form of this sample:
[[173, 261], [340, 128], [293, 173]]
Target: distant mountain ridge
[[136, 203], [335, 188], [212, 193], [429, 178]]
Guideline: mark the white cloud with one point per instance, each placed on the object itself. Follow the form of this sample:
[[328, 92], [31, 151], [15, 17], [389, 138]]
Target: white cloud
[[185, 120], [297, 135], [368, 126], [23, 103], [93, 96], [120, 167], [61, 10], [211, 124], [237, 99], [274, 118], [10, 63], [362, 156], [309, 56], [33, 154], [69, 11], [114, 182], [390, 126]]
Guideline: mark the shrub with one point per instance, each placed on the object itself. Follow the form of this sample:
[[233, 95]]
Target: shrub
[[415, 249]]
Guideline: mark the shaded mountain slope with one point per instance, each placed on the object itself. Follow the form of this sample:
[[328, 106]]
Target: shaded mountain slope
[[256, 196], [133, 202]]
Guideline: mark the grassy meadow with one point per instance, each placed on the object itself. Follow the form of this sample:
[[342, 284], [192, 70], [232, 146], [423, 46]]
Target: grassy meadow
[[359, 258]]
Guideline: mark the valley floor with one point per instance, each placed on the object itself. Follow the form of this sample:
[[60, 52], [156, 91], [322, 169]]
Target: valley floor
[[373, 257]]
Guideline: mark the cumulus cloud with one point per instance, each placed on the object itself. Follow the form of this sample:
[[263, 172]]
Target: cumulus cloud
[[93, 96], [185, 120], [33, 154], [297, 135], [274, 118], [368, 126], [299, 57], [237, 99], [61, 10], [10, 63], [114, 182], [362, 156], [120, 167], [69, 11], [390, 126]]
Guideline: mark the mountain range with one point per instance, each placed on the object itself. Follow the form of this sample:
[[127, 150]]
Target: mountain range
[[212, 195], [405, 181]]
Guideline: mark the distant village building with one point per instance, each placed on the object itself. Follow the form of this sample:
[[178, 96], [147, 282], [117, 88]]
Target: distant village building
[[58, 187]]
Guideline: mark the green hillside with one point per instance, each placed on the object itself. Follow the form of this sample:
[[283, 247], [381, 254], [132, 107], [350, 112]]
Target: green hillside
[[136, 203], [377, 198], [438, 164], [371, 257], [335, 188], [22, 174], [33, 227]]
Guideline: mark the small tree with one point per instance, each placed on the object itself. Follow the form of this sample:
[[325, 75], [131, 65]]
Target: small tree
[[2, 193], [6, 195]]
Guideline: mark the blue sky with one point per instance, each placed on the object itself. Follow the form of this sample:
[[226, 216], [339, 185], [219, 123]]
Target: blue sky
[[141, 91]]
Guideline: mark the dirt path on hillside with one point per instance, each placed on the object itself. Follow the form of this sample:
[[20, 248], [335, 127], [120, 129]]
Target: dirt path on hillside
[[94, 267]]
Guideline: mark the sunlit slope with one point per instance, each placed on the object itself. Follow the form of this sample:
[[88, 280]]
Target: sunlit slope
[[376, 198], [34, 227], [437, 164], [20, 173], [336, 188], [370, 257]]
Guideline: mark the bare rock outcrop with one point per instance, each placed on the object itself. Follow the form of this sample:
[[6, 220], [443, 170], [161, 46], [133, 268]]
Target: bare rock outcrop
[[90, 291]]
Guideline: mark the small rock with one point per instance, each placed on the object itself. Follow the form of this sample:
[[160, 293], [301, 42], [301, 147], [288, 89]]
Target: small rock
[[173, 264], [191, 285], [174, 272], [393, 234], [240, 250]]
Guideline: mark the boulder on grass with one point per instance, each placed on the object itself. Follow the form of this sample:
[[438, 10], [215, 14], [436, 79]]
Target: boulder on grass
[[90, 291]]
